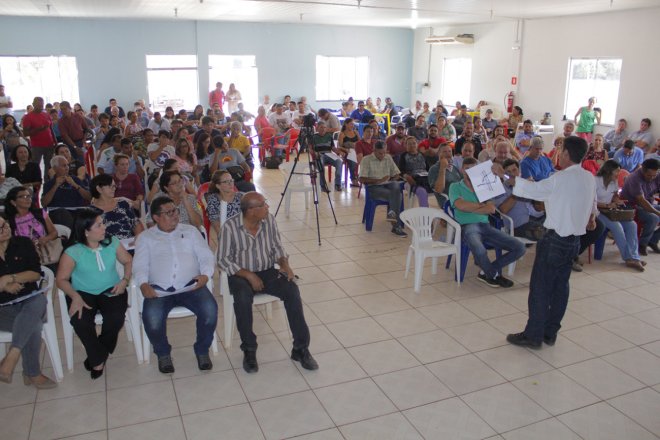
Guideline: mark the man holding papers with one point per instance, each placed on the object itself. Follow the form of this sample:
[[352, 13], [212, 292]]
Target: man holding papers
[[478, 233], [570, 203], [172, 265]]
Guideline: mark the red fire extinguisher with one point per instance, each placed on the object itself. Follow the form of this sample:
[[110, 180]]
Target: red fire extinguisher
[[509, 102]]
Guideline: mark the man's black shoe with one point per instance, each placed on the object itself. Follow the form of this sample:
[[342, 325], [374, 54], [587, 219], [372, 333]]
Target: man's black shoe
[[250, 364], [522, 340], [305, 358], [642, 250], [165, 364], [655, 247], [204, 362], [503, 282], [492, 282], [550, 340]]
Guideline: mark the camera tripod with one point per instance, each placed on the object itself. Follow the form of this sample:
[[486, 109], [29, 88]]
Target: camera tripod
[[306, 141]]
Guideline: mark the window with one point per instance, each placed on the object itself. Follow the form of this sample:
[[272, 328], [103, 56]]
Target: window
[[53, 78], [456, 77], [172, 81], [597, 77], [338, 78]]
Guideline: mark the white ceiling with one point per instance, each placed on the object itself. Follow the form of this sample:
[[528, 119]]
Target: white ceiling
[[392, 13]]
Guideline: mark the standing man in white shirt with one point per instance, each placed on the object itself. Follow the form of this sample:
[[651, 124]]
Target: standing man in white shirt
[[174, 257], [5, 103], [569, 214]]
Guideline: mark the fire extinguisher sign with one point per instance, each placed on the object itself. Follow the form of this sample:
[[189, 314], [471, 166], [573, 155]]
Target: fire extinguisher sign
[[514, 80]]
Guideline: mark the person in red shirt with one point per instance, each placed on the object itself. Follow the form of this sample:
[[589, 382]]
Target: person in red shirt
[[39, 127], [429, 147], [395, 143], [365, 146], [217, 96], [72, 129]]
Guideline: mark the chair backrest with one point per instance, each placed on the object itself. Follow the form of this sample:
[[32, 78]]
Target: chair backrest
[[266, 133], [297, 180], [420, 221]]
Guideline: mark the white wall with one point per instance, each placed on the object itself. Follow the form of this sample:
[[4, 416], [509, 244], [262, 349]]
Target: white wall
[[492, 61], [111, 53], [547, 45]]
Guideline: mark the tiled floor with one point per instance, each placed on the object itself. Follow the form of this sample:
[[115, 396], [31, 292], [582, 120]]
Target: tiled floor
[[393, 364]]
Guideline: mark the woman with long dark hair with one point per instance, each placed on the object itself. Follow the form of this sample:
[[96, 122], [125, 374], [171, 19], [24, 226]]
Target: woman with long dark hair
[[624, 232], [88, 275]]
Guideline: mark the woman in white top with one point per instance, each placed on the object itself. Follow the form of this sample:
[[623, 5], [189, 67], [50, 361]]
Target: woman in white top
[[624, 232]]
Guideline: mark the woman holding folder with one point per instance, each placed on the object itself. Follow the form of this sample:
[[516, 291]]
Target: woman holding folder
[[22, 307]]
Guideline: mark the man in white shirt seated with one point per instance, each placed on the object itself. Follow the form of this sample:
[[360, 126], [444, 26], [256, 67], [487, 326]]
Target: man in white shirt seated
[[159, 123], [280, 120], [299, 115], [172, 257], [615, 138]]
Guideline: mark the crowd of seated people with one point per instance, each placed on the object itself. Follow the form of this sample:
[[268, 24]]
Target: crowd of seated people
[[143, 156]]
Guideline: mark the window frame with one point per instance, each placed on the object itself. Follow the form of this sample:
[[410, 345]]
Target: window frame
[[607, 118], [165, 68]]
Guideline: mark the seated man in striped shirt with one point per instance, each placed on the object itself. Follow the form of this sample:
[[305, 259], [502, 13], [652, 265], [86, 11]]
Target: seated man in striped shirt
[[249, 248]]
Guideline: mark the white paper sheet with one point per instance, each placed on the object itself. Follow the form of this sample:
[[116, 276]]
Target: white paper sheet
[[486, 184], [352, 155], [331, 155], [162, 293]]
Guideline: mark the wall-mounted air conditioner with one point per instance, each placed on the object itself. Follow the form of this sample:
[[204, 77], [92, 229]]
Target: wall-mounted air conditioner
[[459, 39]]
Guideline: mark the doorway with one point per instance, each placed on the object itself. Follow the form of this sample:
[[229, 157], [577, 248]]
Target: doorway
[[240, 70]]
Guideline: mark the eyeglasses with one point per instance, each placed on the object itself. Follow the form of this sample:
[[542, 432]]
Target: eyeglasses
[[227, 181], [5, 227], [171, 213], [24, 196]]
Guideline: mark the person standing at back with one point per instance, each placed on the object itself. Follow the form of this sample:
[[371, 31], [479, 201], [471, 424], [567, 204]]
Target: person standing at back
[[569, 214]]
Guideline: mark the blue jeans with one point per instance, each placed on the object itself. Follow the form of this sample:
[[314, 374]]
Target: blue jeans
[[625, 237], [478, 235], [200, 302], [548, 286], [338, 164], [650, 223]]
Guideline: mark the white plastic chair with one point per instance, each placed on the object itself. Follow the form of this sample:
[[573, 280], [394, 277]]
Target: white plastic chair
[[48, 333], [420, 221], [176, 312], [132, 319], [300, 182], [508, 227]]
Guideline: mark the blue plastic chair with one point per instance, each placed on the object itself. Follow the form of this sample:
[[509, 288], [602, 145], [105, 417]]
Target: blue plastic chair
[[465, 250], [370, 208]]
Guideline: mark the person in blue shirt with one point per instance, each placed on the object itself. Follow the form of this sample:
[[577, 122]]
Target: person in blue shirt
[[524, 138], [361, 114], [629, 157], [535, 164]]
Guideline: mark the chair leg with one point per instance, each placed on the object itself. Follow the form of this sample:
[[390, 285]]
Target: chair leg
[[458, 268], [146, 347], [408, 258], [228, 307], [134, 329], [434, 265], [419, 270], [68, 344], [50, 337]]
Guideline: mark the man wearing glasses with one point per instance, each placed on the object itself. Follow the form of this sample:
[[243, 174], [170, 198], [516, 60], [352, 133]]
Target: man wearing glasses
[[250, 246], [175, 263]]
